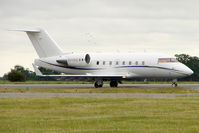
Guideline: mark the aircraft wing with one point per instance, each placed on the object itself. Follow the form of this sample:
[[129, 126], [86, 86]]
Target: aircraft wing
[[38, 73]]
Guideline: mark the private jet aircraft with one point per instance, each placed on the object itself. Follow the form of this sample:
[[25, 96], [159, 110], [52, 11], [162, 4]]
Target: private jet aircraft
[[99, 67]]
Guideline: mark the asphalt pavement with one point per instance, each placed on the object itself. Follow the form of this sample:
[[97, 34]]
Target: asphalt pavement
[[44, 86], [34, 86]]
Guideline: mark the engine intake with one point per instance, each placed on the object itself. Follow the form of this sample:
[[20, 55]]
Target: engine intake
[[87, 58]]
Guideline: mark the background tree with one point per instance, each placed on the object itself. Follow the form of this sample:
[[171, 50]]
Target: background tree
[[47, 72], [16, 76], [193, 63], [31, 76]]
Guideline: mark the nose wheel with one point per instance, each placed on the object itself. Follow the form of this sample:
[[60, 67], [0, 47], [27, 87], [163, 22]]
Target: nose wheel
[[174, 83], [98, 84]]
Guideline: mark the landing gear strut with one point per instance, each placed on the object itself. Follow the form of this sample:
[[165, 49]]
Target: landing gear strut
[[98, 84], [113, 83], [174, 83]]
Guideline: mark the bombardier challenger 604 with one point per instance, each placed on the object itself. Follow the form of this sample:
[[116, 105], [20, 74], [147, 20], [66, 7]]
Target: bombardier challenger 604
[[99, 67]]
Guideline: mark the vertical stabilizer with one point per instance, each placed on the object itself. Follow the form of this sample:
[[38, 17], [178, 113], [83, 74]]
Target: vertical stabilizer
[[44, 45]]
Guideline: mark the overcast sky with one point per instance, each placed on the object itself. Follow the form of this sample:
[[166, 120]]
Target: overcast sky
[[162, 26]]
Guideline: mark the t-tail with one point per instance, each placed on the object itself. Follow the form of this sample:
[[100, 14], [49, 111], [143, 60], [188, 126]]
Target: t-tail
[[44, 45]]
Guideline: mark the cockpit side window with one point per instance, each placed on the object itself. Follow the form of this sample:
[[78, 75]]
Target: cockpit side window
[[173, 60], [166, 60], [163, 60]]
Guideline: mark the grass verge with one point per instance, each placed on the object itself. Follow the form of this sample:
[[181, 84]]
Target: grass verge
[[100, 115]]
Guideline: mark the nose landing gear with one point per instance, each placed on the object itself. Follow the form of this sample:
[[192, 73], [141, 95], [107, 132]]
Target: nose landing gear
[[174, 83], [98, 84]]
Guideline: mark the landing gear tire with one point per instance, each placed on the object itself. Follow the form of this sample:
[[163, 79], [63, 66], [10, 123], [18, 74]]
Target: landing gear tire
[[113, 83], [98, 84], [174, 83]]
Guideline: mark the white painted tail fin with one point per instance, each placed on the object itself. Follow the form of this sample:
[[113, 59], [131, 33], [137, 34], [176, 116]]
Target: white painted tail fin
[[44, 45]]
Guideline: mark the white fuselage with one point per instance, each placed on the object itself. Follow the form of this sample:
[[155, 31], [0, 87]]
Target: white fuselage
[[131, 65]]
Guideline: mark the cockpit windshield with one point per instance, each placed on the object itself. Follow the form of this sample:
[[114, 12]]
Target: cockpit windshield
[[166, 60]]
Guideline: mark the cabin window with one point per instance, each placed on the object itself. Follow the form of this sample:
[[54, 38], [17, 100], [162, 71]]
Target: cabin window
[[97, 62], [163, 60], [143, 62], [104, 62], [117, 63], [110, 63], [136, 63], [123, 63], [130, 62]]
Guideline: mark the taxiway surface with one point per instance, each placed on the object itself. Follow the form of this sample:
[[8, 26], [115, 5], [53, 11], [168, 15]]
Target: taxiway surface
[[34, 86]]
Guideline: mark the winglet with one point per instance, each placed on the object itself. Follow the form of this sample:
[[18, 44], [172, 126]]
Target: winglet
[[37, 71]]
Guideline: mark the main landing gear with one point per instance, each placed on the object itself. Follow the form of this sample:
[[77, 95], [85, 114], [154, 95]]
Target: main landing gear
[[174, 83], [113, 83], [99, 83]]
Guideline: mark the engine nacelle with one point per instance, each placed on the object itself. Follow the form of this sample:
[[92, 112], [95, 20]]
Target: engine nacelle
[[75, 60]]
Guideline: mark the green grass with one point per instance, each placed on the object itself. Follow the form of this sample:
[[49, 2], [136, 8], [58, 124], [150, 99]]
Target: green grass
[[99, 115], [104, 90], [84, 82]]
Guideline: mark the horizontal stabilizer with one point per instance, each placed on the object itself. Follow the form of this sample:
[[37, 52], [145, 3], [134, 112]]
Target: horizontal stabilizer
[[26, 30]]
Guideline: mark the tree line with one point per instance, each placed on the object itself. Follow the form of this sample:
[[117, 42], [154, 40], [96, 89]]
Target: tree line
[[193, 63], [19, 73]]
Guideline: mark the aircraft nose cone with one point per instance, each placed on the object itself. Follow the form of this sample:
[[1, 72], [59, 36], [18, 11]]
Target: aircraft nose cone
[[186, 70], [189, 71]]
